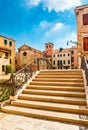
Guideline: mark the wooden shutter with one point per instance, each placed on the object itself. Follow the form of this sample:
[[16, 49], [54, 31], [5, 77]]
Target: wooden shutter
[[85, 19], [85, 43]]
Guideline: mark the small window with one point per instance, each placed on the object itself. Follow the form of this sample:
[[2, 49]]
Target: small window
[[72, 59], [72, 52], [68, 54], [6, 55], [3, 68], [54, 62], [53, 55], [5, 41], [64, 62], [85, 19], [63, 54], [60, 55], [10, 43], [10, 61], [68, 61], [15, 61], [24, 53]]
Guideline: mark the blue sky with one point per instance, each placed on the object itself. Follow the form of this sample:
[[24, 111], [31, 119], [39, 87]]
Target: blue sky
[[36, 22]]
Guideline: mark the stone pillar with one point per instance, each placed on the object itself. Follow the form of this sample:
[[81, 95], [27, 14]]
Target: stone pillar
[[79, 60]]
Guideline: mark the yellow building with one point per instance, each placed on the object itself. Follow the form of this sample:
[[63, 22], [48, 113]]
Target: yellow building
[[7, 53]]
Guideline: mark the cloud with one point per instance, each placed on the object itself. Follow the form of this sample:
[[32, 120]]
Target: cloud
[[60, 5], [56, 27], [30, 3], [56, 5], [44, 24]]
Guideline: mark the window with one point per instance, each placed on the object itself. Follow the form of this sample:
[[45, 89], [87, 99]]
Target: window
[[54, 62], [5, 41], [60, 55], [64, 62], [68, 54], [3, 68], [53, 55], [59, 62], [85, 43], [6, 55], [10, 43], [72, 59], [15, 61], [68, 61], [72, 52], [10, 61], [24, 53], [63, 54], [85, 19]]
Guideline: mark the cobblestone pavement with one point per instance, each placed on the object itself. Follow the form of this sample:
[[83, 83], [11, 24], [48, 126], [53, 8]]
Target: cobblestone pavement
[[16, 122]]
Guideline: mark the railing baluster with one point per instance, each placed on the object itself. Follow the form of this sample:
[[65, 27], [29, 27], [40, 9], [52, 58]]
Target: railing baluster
[[84, 67]]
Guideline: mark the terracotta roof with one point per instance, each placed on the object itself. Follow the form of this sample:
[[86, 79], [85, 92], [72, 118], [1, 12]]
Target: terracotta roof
[[82, 6], [29, 48], [49, 43], [63, 51], [73, 47]]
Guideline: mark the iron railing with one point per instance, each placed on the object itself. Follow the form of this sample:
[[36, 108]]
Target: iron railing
[[18, 79], [85, 67]]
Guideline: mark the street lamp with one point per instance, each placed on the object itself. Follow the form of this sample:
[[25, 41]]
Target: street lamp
[[72, 42]]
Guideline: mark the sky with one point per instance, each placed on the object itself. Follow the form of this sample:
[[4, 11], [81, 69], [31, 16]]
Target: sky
[[36, 22]]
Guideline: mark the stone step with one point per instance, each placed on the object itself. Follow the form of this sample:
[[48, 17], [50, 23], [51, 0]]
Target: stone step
[[61, 71], [48, 115], [55, 93], [59, 76], [55, 99], [56, 88], [77, 109], [57, 83], [59, 80]]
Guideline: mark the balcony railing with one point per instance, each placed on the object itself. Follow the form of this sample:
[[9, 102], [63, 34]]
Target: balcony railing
[[22, 76]]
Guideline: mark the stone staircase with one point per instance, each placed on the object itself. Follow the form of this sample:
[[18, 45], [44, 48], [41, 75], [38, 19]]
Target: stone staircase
[[57, 95]]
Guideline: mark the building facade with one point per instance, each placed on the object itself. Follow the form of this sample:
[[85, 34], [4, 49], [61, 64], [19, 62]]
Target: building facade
[[7, 53], [82, 31], [65, 58], [60, 58]]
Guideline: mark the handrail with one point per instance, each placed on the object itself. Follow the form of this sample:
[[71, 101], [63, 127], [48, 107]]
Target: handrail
[[19, 78], [85, 67]]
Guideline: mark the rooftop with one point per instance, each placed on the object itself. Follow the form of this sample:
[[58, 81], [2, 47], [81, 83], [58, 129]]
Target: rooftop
[[7, 38]]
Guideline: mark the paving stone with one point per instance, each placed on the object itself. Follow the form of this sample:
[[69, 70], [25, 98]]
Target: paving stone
[[16, 122]]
